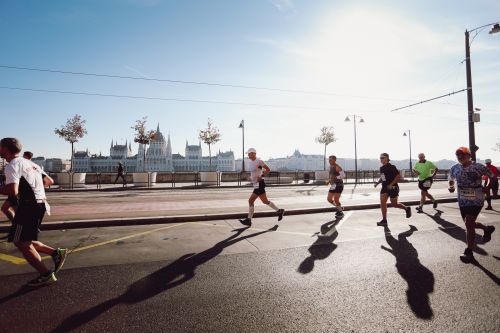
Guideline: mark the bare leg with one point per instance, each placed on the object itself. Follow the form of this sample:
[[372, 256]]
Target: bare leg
[[32, 256], [40, 247], [396, 204], [383, 205], [8, 210]]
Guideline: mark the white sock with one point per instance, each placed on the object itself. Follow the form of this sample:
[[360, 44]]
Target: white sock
[[250, 211], [273, 206], [339, 208]]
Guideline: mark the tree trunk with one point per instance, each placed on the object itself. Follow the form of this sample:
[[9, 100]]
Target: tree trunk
[[324, 159], [144, 159], [72, 153], [209, 158]]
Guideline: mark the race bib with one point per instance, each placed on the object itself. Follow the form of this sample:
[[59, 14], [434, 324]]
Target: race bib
[[333, 187], [467, 193], [382, 177], [427, 183]]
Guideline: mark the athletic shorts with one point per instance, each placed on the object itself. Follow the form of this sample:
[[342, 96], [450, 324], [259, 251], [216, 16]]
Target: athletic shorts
[[336, 188], [470, 211], [27, 222], [261, 189], [393, 193], [425, 184], [494, 187]]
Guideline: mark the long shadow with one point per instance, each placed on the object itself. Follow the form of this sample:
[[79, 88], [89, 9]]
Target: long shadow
[[419, 278], [322, 247], [455, 231], [487, 272], [168, 277], [20, 292]]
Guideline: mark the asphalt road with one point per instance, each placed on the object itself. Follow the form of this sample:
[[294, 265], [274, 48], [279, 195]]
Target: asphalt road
[[309, 273]]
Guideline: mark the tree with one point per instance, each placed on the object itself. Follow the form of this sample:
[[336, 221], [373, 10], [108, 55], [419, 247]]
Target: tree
[[210, 135], [497, 146], [72, 132], [326, 137], [142, 136]]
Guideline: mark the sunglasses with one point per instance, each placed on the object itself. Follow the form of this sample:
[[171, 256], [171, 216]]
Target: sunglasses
[[382, 157]]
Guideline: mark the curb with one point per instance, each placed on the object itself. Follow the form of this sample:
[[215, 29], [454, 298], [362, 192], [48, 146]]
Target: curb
[[117, 222]]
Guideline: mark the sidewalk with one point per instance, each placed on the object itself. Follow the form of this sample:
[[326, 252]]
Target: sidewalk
[[96, 209]]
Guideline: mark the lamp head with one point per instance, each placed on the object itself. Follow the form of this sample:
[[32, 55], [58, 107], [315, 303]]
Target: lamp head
[[347, 119], [495, 28]]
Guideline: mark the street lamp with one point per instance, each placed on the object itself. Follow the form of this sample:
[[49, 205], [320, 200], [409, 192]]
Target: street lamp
[[361, 120], [470, 108], [242, 126], [409, 140]]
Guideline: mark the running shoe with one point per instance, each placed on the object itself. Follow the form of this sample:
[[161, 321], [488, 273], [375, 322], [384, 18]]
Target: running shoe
[[489, 208], [382, 223], [419, 209], [43, 280], [434, 204], [339, 213], [487, 233], [246, 221], [281, 212], [408, 212], [59, 256], [468, 256]]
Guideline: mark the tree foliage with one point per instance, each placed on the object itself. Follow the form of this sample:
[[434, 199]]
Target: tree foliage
[[142, 135], [327, 135], [73, 130], [211, 134]]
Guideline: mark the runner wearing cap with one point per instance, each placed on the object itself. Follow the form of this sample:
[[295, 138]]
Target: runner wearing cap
[[389, 177], [336, 185], [494, 183], [468, 174], [258, 170], [426, 171]]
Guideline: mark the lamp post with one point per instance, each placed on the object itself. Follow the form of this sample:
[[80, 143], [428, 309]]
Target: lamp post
[[470, 108], [361, 120], [242, 126], [409, 141]]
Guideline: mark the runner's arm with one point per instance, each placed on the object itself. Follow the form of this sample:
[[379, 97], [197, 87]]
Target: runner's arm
[[266, 170], [10, 189], [395, 181], [47, 181], [434, 173]]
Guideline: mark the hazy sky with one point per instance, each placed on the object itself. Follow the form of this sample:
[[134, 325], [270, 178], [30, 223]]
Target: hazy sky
[[354, 57]]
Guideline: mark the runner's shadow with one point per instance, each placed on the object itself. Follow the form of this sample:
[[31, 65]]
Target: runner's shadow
[[20, 292], [322, 247], [455, 231], [487, 272], [419, 278], [170, 276]]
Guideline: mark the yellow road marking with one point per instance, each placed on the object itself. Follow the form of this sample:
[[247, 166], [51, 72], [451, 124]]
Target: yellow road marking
[[12, 259]]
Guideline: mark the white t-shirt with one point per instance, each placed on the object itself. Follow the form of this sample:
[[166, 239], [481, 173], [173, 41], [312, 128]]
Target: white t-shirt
[[256, 169], [20, 168]]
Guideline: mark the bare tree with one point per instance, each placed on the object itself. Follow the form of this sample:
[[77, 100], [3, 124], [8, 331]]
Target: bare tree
[[72, 132], [142, 136], [210, 135], [326, 137]]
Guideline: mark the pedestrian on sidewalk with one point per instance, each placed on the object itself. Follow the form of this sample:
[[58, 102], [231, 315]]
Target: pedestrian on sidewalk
[[426, 171], [24, 180], [120, 174], [336, 185], [468, 176], [494, 183], [258, 170], [389, 177]]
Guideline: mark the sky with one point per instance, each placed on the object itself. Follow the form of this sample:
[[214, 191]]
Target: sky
[[297, 65]]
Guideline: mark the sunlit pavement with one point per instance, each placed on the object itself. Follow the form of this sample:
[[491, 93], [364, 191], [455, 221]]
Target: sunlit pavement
[[305, 273]]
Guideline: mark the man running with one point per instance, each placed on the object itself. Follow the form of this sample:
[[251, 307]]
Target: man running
[[494, 183], [426, 171], [23, 179], [258, 170], [468, 174], [389, 177], [336, 185], [119, 173]]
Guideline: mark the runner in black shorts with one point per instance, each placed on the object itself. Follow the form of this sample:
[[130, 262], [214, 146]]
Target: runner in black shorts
[[258, 170], [389, 177], [336, 185]]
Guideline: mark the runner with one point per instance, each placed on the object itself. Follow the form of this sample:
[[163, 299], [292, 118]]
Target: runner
[[28, 155], [426, 171], [468, 176], [389, 177], [257, 174], [336, 185], [24, 180], [494, 183]]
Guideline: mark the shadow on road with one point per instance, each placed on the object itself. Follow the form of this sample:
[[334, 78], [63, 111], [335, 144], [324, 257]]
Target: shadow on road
[[322, 247], [170, 276], [492, 276], [455, 231], [20, 292], [419, 278]]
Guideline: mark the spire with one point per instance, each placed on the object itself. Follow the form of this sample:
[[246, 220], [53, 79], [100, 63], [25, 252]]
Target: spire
[[186, 143], [111, 143], [169, 146], [158, 128]]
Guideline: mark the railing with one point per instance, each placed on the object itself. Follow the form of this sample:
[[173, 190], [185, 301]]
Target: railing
[[106, 180]]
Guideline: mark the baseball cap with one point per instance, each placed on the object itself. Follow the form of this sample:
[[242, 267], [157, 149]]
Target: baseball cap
[[251, 150], [462, 150], [487, 160]]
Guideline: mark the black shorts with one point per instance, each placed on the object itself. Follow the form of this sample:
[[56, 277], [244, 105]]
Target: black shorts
[[336, 188], [393, 193], [494, 187], [13, 202], [262, 188], [427, 181], [27, 222], [470, 211]]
